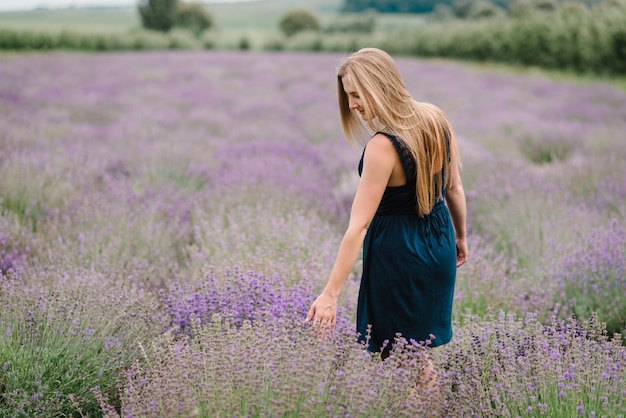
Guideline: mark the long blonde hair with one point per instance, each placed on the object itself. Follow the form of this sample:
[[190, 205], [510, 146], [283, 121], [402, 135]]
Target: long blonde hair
[[423, 127]]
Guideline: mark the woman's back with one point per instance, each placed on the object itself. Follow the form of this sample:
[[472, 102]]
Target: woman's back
[[409, 266]]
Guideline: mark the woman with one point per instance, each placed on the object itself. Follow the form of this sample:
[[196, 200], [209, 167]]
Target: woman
[[412, 241]]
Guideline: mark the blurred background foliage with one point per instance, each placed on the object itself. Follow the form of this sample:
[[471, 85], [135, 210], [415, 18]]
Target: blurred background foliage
[[584, 36]]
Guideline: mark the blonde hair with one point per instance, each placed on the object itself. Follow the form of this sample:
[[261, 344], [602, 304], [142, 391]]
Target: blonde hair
[[423, 127]]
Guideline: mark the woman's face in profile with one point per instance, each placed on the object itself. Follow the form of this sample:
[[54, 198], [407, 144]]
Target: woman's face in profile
[[355, 102]]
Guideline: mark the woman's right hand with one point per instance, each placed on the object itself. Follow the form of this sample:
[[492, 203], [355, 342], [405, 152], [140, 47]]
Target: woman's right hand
[[323, 313]]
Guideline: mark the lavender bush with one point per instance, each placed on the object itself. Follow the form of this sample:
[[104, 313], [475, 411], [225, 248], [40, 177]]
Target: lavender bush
[[280, 370], [59, 341], [511, 366], [263, 233], [167, 218], [13, 252], [243, 297], [591, 274]]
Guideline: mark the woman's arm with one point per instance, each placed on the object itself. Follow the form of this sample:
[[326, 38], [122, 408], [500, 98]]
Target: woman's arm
[[455, 200], [378, 163]]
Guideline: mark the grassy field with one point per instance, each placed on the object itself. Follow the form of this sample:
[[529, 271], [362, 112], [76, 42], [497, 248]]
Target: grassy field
[[251, 17], [114, 20]]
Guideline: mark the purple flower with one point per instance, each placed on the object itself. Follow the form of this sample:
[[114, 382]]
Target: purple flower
[[215, 178]]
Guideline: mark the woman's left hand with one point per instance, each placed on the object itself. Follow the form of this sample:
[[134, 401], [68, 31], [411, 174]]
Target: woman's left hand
[[461, 251], [323, 313]]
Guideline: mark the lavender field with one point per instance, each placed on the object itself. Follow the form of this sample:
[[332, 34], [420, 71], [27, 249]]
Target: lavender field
[[168, 217]]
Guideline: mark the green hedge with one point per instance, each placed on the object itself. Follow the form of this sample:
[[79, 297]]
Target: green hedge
[[19, 40], [572, 37]]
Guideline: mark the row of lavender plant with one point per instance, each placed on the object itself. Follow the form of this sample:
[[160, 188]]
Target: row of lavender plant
[[167, 218]]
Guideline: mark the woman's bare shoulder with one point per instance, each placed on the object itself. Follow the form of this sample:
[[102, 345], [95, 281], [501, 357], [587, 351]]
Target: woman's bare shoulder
[[380, 143]]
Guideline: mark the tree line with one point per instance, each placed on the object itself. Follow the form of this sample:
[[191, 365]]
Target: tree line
[[163, 15], [564, 36], [460, 8]]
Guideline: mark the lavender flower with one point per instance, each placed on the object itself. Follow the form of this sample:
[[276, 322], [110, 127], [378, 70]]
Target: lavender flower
[[133, 184]]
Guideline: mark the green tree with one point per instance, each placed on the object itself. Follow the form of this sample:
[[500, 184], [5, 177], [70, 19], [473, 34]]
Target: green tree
[[393, 6], [193, 16], [158, 14], [462, 8], [483, 9], [298, 20], [545, 5], [618, 45]]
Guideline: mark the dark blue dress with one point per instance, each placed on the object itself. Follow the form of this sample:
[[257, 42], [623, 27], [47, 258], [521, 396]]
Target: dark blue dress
[[409, 267]]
